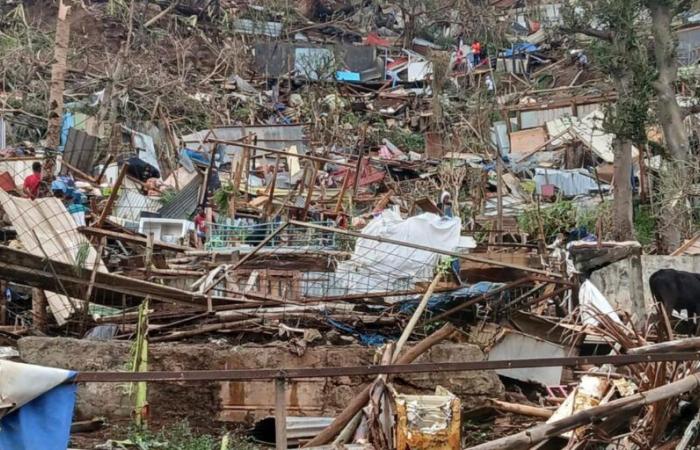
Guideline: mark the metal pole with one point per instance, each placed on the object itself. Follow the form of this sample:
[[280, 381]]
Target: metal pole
[[280, 415]]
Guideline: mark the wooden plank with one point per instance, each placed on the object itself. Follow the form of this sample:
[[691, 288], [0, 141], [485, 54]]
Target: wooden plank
[[112, 196], [132, 238], [30, 269]]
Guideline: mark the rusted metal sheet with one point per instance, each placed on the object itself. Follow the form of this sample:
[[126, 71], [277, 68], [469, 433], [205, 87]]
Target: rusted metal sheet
[[429, 422], [79, 151]]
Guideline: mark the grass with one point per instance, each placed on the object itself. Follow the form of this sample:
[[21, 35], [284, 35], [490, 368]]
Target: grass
[[181, 436]]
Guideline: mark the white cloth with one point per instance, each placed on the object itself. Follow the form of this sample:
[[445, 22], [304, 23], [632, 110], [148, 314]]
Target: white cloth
[[378, 266], [22, 383], [593, 304]]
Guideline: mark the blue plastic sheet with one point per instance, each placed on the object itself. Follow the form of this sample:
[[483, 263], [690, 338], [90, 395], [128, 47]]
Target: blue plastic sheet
[[440, 301], [519, 49], [368, 339], [44, 423]]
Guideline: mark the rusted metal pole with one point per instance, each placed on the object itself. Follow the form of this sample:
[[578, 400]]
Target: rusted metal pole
[[280, 415], [402, 366]]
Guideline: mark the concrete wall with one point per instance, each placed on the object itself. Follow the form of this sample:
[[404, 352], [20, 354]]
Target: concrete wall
[[204, 402], [614, 281]]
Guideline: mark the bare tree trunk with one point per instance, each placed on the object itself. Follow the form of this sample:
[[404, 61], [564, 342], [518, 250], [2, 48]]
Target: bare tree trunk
[[670, 117], [58, 75], [669, 113], [623, 228]]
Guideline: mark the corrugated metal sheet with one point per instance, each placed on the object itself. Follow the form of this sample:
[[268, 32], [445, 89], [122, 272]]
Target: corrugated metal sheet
[[584, 110], [44, 226], [247, 26], [532, 119], [79, 151], [185, 202], [131, 203]]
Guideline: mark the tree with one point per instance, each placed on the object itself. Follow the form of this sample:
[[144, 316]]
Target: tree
[[669, 115], [621, 54]]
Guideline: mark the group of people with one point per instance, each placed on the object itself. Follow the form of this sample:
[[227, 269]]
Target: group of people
[[60, 188]]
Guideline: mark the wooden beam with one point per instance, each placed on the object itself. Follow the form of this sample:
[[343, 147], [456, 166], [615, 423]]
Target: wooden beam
[[279, 152], [112, 196], [30, 269], [132, 238]]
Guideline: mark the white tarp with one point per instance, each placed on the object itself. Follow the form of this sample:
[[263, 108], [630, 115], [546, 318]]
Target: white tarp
[[569, 182], [378, 266], [22, 383], [594, 304]]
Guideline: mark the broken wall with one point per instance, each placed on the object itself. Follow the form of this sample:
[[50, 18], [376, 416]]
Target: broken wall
[[241, 401]]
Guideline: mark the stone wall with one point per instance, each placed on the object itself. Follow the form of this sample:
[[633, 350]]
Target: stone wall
[[237, 401], [614, 281]]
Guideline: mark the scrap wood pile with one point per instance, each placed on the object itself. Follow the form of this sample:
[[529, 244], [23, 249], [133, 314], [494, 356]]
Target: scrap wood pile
[[367, 184]]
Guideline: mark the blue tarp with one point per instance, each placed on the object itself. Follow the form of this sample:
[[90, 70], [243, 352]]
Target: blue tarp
[[519, 49], [43, 423], [67, 123], [439, 301], [369, 339]]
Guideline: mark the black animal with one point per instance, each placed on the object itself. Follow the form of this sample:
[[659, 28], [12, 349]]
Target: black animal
[[676, 290]]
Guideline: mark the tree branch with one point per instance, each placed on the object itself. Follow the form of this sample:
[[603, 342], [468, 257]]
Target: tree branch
[[592, 32], [690, 110]]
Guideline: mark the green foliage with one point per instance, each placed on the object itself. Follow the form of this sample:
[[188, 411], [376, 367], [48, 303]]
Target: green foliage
[[406, 140], [181, 436], [556, 218], [222, 197], [561, 216], [620, 52], [644, 225], [81, 256], [167, 197]]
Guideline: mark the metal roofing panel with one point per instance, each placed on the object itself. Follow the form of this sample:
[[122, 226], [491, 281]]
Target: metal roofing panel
[[79, 150], [185, 202]]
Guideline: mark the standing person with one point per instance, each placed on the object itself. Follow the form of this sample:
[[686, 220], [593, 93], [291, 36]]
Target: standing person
[[32, 182], [476, 52], [200, 227], [76, 208], [490, 87]]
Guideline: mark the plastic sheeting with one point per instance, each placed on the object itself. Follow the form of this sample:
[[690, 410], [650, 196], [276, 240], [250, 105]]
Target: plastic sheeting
[[42, 410], [376, 266], [593, 304], [570, 182]]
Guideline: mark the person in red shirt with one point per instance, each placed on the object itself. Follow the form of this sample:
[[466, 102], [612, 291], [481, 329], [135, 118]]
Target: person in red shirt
[[476, 52], [32, 182], [200, 227]]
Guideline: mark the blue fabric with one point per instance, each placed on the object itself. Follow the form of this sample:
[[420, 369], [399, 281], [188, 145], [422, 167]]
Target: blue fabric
[[66, 125], [347, 75], [371, 339], [197, 157], [441, 301], [518, 49], [44, 423]]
